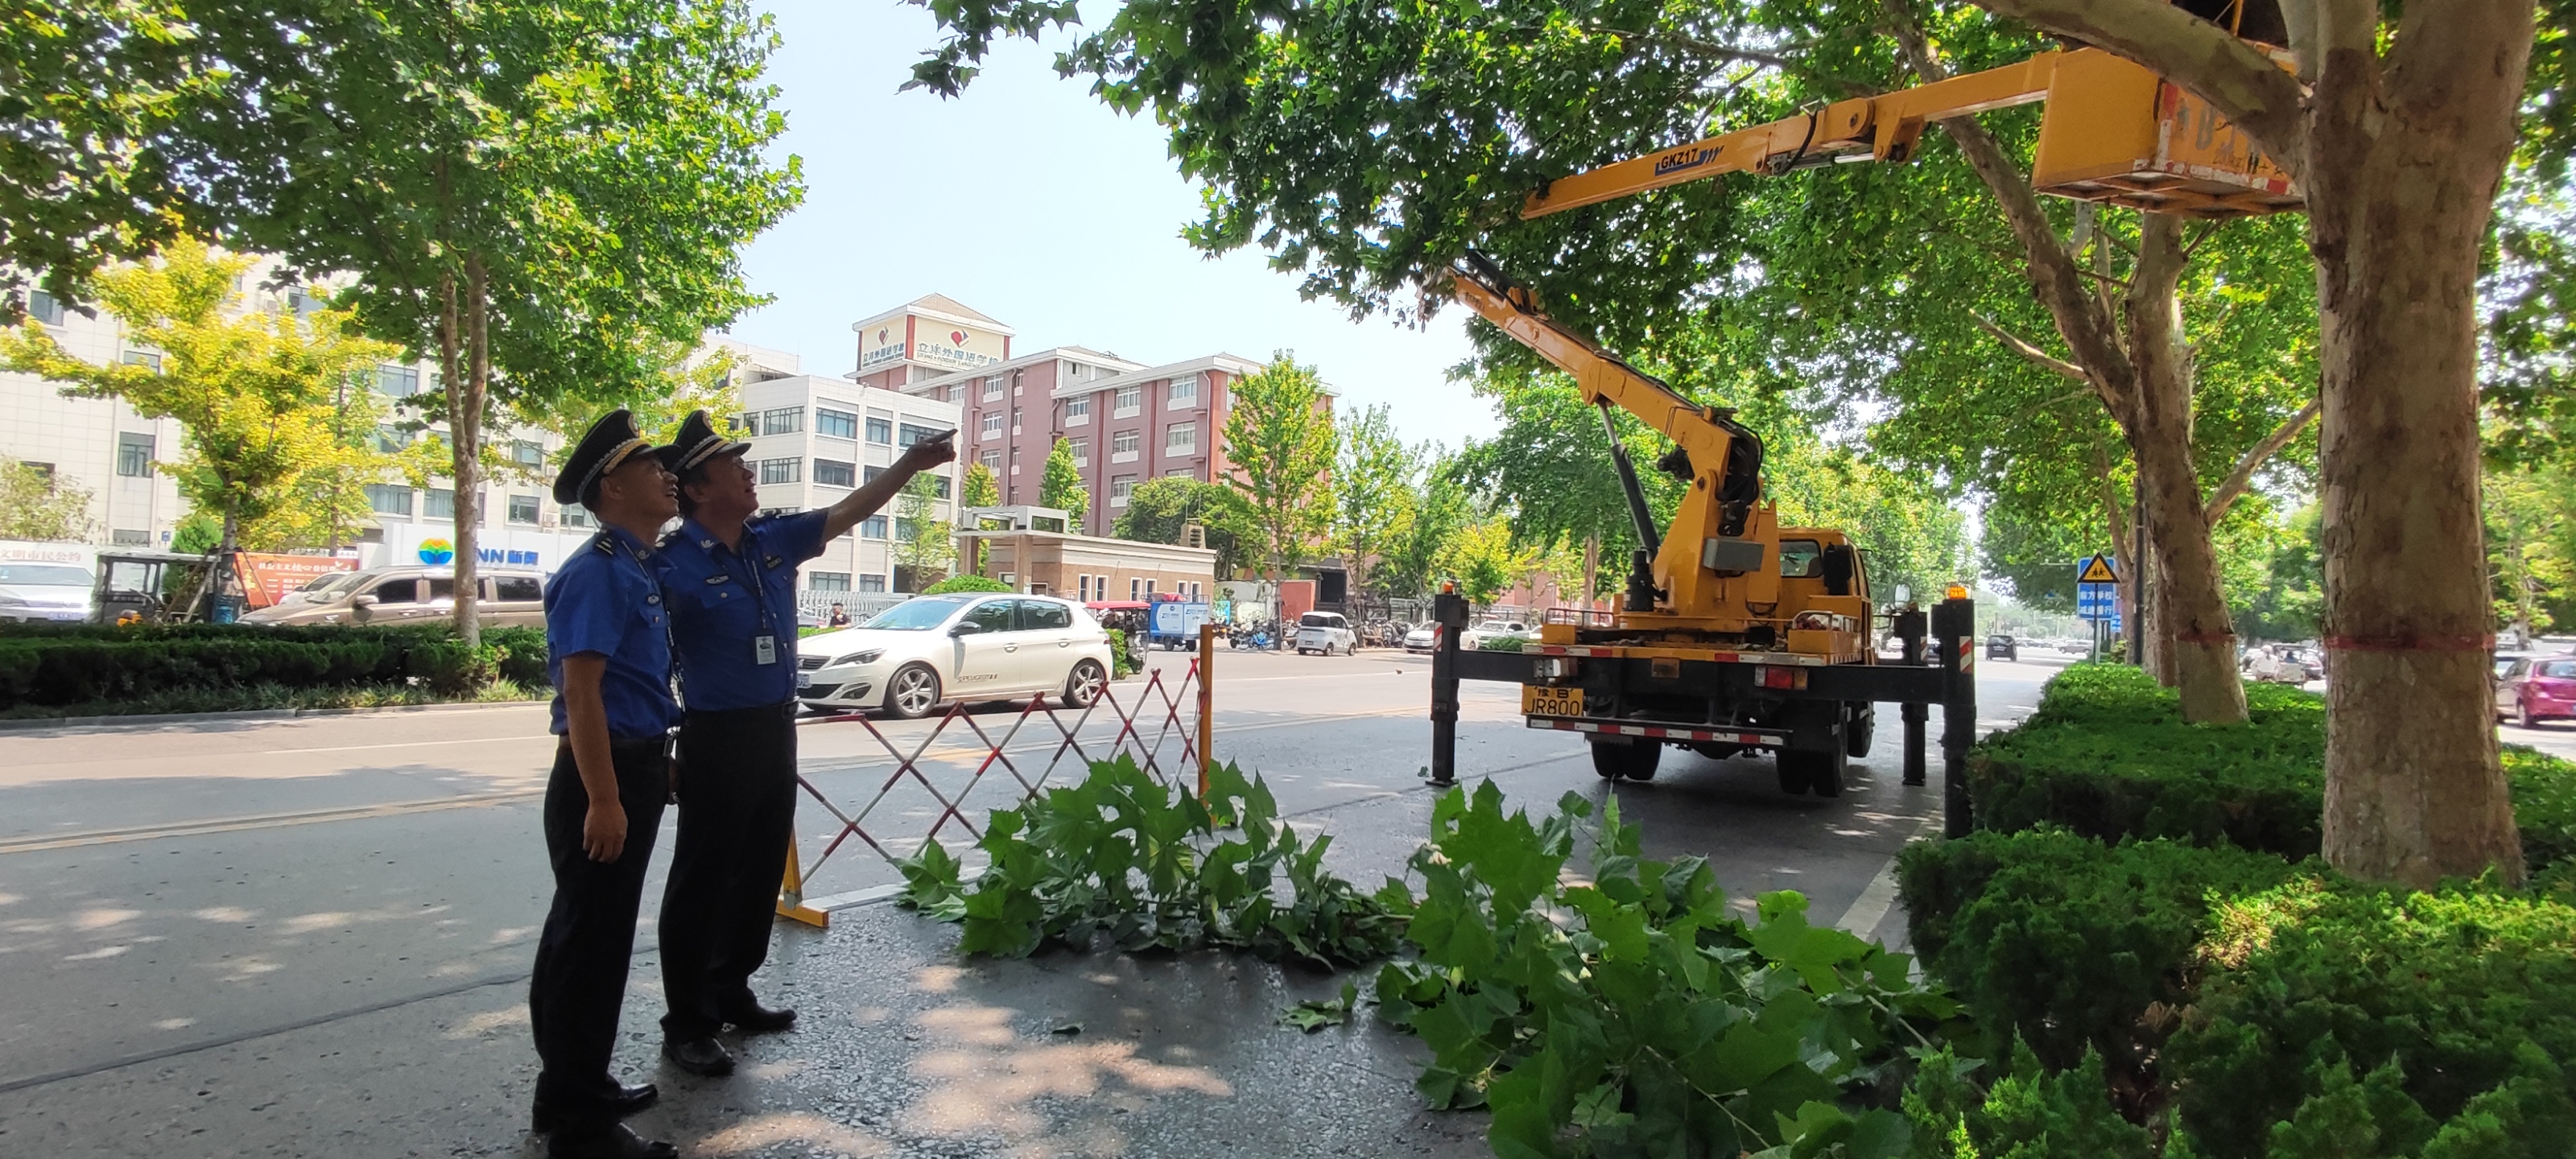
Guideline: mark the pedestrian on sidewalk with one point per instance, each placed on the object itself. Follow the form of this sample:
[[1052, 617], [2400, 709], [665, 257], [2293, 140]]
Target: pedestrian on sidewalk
[[730, 581], [608, 650]]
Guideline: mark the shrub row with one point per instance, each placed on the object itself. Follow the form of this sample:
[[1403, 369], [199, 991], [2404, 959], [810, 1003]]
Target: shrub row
[[64, 667], [2141, 913]]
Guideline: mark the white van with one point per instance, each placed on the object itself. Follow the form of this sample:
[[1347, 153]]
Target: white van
[[1325, 632], [46, 582]]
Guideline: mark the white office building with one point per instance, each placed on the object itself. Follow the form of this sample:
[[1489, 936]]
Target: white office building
[[813, 439]]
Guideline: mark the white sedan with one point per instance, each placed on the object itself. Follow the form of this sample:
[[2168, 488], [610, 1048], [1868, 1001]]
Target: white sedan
[[927, 651], [1475, 637], [1422, 639]]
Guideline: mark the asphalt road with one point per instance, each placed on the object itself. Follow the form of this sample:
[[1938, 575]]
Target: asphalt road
[[167, 889]]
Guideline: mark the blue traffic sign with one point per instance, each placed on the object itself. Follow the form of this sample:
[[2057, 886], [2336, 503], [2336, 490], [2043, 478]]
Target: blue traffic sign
[[2097, 601]]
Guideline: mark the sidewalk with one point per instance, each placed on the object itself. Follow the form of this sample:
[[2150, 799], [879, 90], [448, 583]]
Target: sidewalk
[[906, 1050]]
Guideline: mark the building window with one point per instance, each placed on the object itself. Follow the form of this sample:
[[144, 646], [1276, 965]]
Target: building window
[[880, 431], [992, 461], [828, 473], [1184, 393], [1015, 460], [827, 581], [523, 509], [42, 470], [841, 424], [992, 388], [870, 581], [1181, 438], [1135, 587], [1081, 449], [389, 499], [1124, 445], [440, 503], [391, 438], [1015, 420], [781, 470], [1077, 411], [993, 425], [873, 527], [130, 537], [785, 420], [869, 474], [45, 308], [304, 304], [575, 515], [143, 358], [956, 392], [1085, 587], [1119, 488], [134, 454], [737, 424], [527, 454], [397, 381], [1129, 400], [908, 434], [939, 485], [903, 528]]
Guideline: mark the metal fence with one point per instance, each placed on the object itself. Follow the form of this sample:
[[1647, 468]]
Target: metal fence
[[1161, 722]]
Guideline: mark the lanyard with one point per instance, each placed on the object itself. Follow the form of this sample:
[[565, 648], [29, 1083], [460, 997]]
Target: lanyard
[[759, 583]]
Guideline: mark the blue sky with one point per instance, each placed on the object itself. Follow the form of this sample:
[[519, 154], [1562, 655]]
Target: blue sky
[[1029, 200]]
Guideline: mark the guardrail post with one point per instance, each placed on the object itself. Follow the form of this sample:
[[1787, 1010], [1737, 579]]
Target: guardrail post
[[1449, 610], [1909, 632], [1954, 631], [1207, 704]]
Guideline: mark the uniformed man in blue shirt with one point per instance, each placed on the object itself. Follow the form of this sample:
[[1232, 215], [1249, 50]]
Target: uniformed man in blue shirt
[[730, 581], [608, 649]]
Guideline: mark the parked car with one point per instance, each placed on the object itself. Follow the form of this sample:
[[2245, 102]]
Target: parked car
[[929, 650], [1475, 637], [1326, 633], [2282, 664], [410, 594], [1422, 639], [2537, 689], [2002, 647], [44, 592]]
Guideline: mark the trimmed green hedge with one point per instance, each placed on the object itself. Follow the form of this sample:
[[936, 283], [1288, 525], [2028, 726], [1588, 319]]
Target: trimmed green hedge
[[51, 666], [2136, 921], [2371, 1022], [2109, 756], [966, 583]]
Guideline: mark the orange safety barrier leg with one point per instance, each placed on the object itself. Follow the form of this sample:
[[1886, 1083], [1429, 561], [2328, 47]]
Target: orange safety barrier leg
[[791, 894]]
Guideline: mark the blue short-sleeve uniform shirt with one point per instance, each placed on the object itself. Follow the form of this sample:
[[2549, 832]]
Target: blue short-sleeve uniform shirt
[[723, 600], [608, 599]]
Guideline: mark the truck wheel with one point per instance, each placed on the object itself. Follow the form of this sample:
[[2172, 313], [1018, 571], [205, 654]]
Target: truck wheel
[[1634, 758], [1856, 732], [1793, 772], [1825, 775]]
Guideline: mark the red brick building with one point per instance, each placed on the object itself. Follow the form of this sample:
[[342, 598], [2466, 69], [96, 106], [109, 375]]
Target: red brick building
[[1126, 421]]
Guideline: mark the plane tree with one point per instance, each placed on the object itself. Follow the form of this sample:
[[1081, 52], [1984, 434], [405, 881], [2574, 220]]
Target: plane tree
[[1365, 146]]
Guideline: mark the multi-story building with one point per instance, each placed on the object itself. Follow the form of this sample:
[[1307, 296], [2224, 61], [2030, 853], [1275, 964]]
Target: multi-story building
[[1125, 421], [97, 445], [814, 438]]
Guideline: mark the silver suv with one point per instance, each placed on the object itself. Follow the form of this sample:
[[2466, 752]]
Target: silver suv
[[410, 594]]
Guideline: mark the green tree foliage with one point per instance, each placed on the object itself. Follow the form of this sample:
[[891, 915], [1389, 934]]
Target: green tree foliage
[[1373, 475], [980, 488], [1062, 486], [1441, 509], [924, 543], [36, 505], [1279, 439], [265, 398], [88, 91], [546, 196], [2531, 544], [1158, 509]]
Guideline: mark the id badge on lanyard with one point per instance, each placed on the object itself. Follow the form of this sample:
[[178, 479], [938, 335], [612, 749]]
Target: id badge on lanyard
[[764, 647]]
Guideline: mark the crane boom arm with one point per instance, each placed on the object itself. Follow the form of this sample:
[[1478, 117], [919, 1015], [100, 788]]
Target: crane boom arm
[[1886, 126]]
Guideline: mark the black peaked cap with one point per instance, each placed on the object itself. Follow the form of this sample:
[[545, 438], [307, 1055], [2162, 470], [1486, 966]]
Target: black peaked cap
[[697, 442], [612, 441]]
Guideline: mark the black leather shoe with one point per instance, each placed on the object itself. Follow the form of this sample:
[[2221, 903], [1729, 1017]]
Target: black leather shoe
[[758, 1019], [699, 1056], [626, 1101], [612, 1142]]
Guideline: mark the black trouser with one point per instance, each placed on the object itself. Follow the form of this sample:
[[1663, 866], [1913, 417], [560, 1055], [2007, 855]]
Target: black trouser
[[737, 814], [580, 982]]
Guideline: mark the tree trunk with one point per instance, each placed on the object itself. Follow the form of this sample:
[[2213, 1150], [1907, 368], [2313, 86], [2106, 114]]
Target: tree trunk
[[2190, 643], [2399, 188], [465, 427]]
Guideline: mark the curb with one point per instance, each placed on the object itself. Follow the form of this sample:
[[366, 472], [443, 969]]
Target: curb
[[148, 720]]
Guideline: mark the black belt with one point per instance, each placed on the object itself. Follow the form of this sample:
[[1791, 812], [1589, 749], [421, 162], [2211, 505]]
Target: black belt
[[729, 715], [621, 742]]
